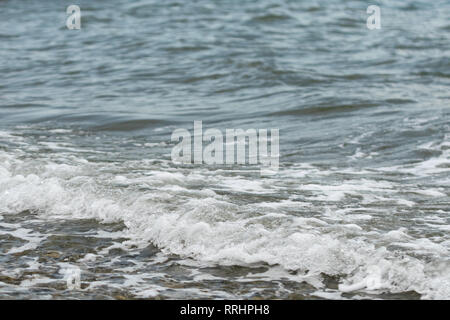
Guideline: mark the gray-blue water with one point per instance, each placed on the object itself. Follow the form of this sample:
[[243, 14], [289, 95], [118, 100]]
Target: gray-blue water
[[358, 209]]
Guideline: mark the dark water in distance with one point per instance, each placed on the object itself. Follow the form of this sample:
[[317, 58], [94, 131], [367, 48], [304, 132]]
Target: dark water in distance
[[358, 209]]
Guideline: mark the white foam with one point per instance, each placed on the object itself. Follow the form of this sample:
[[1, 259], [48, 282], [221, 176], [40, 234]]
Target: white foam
[[207, 226]]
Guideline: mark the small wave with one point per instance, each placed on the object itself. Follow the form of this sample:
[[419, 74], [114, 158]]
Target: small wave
[[130, 125], [271, 18], [325, 109]]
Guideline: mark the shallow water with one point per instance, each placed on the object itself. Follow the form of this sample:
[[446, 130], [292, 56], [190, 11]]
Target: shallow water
[[358, 209]]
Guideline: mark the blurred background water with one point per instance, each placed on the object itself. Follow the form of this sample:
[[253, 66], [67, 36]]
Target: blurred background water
[[359, 208]]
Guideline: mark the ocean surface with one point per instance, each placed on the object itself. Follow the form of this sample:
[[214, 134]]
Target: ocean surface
[[89, 196]]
